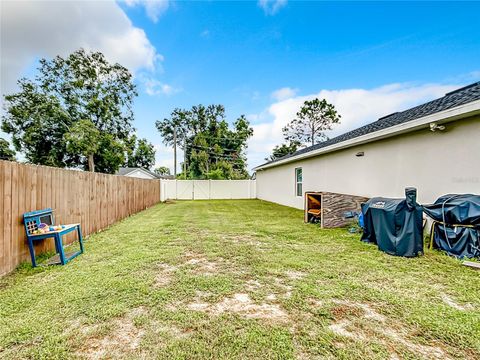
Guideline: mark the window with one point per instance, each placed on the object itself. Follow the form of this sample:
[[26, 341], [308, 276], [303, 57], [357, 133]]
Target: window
[[298, 182]]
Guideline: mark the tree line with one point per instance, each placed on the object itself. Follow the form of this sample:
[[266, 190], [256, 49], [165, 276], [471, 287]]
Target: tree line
[[212, 149], [77, 112]]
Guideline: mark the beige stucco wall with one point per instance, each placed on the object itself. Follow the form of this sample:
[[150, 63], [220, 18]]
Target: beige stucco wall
[[436, 163]]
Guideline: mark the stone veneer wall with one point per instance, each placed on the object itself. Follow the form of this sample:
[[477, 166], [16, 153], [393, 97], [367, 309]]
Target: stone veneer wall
[[334, 205]]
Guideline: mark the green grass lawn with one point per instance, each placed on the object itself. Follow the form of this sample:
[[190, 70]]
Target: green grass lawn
[[239, 279]]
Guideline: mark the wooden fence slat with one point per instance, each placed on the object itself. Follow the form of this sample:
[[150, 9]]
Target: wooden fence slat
[[92, 199], [2, 218], [21, 193], [7, 212], [14, 246]]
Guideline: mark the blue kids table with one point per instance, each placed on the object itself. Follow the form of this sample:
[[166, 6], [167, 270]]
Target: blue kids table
[[33, 219]]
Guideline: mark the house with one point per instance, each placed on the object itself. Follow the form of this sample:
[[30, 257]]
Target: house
[[434, 147], [141, 173]]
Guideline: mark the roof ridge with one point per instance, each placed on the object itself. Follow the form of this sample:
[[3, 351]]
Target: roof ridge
[[468, 93], [462, 88]]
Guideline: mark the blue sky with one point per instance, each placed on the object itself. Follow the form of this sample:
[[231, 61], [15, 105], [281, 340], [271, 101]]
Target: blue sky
[[263, 59]]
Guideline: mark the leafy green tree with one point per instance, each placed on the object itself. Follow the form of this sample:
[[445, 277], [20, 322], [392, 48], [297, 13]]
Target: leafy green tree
[[216, 174], [81, 86], [179, 123], [38, 122], [162, 170], [226, 171], [199, 158], [82, 138], [282, 150], [208, 141], [110, 155], [314, 117], [5, 152], [140, 153]]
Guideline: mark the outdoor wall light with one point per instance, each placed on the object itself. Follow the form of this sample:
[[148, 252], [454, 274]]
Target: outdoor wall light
[[434, 127], [360, 153]]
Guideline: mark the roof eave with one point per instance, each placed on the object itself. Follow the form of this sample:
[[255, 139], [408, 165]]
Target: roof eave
[[453, 114]]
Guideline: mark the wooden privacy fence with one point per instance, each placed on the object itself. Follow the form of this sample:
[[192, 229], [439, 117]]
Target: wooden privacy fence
[[94, 200]]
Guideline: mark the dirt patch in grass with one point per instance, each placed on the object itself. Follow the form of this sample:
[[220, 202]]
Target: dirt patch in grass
[[283, 289], [164, 275], [244, 239], [342, 311], [253, 285], [242, 305], [453, 304], [315, 302], [295, 275], [341, 328], [359, 309], [124, 338], [171, 330], [271, 297], [350, 323], [201, 265]]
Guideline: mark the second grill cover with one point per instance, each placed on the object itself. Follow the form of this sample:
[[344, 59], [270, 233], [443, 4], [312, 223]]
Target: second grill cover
[[395, 225]]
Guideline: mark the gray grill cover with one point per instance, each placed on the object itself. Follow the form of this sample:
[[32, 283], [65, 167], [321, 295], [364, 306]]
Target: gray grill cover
[[451, 212], [395, 225]]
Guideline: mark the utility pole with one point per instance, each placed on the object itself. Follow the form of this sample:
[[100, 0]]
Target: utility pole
[[208, 160], [175, 152], [185, 157]]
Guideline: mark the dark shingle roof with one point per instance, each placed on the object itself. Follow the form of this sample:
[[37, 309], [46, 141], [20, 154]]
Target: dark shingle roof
[[452, 99], [125, 170], [128, 170]]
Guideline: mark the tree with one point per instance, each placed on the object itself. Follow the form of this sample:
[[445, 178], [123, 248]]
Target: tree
[[282, 150], [162, 170], [140, 153], [314, 117], [83, 139], [5, 152], [224, 171], [199, 157], [110, 155], [208, 141], [81, 86]]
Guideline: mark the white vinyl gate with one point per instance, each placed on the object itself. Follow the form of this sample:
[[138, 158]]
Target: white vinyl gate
[[207, 189]]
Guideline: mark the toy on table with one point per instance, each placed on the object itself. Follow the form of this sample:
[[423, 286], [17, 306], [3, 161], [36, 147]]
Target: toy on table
[[45, 228]]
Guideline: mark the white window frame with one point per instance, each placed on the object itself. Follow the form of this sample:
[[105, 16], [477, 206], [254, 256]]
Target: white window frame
[[298, 182]]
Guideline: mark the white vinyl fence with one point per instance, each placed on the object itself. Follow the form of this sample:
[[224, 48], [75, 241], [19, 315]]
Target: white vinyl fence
[[207, 189]]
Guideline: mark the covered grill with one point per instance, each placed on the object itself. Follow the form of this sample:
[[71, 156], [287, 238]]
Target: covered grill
[[395, 225], [456, 224]]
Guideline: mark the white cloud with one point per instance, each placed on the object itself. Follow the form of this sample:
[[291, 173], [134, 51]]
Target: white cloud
[[153, 8], [284, 93], [271, 7], [357, 107], [33, 29], [155, 87]]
